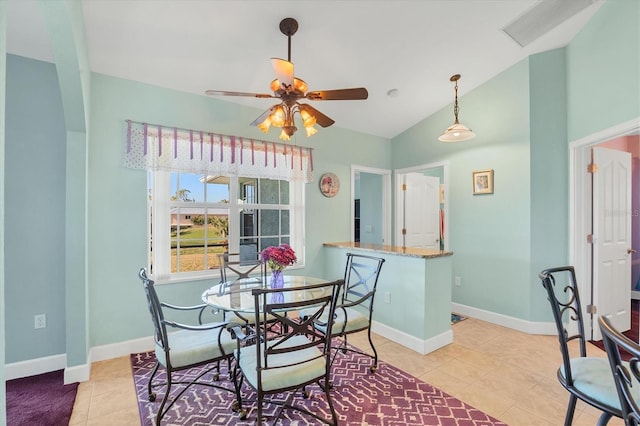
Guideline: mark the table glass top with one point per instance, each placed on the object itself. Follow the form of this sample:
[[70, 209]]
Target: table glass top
[[237, 296]]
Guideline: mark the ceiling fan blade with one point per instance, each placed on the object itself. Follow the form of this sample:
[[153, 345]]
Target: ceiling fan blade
[[262, 117], [225, 93], [338, 95], [321, 119], [284, 73]]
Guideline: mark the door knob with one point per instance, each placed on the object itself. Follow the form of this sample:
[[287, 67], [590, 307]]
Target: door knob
[[631, 251]]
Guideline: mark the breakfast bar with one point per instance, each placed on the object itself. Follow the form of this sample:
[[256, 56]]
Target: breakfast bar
[[412, 305]]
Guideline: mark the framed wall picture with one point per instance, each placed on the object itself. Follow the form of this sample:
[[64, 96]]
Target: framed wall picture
[[483, 182], [329, 185]]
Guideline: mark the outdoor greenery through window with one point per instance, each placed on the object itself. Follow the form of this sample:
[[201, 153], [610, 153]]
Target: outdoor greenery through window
[[194, 218]]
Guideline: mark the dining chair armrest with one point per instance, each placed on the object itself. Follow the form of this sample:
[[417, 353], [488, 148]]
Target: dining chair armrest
[[239, 332], [212, 326], [201, 307], [183, 308], [356, 302]]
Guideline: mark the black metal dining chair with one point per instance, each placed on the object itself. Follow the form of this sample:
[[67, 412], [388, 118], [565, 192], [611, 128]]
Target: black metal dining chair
[[354, 312], [187, 347], [625, 374], [234, 268], [284, 355], [586, 378]]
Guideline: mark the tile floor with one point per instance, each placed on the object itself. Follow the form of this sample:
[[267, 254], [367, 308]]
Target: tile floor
[[507, 374]]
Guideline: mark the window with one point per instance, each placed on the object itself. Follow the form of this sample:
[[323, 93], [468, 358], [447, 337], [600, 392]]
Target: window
[[193, 218]]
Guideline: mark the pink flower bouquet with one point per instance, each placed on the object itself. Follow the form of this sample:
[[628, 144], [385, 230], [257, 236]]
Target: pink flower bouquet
[[278, 258]]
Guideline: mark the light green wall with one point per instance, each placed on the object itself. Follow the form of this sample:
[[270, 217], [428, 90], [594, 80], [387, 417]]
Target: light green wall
[[484, 230], [34, 211], [3, 80], [603, 69], [549, 171], [117, 196]]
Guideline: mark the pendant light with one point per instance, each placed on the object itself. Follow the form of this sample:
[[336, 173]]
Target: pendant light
[[456, 132]]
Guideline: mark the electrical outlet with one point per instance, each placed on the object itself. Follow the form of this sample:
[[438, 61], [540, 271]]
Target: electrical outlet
[[40, 321], [387, 297], [458, 281]]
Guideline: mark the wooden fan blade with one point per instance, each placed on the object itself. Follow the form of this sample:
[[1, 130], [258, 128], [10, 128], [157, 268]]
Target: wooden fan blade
[[262, 117], [338, 95], [225, 93], [284, 73], [321, 119]]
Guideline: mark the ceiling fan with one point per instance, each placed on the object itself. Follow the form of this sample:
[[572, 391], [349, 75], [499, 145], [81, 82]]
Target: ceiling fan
[[290, 89]]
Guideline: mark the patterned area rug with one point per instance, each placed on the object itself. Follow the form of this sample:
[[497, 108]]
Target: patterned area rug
[[388, 397]]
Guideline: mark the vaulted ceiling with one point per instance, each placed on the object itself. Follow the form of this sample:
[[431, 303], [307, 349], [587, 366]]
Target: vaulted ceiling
[[411, 47]]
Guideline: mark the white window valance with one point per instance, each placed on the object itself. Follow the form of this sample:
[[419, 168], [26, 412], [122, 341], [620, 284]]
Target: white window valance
[[157, 147]]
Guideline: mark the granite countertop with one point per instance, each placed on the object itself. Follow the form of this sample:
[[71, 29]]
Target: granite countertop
[[402, 251]]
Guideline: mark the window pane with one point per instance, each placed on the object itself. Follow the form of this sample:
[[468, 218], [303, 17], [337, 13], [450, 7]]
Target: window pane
[[269, 191], [185, 187], [195, 242], [284, 192], [284, 222], [269, 222], [247, 190]]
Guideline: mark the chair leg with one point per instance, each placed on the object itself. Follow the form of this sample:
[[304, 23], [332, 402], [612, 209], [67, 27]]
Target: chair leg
[[334, 416], [164, 400], [604, 419], [150, 394], [571, 408], [374, 367]]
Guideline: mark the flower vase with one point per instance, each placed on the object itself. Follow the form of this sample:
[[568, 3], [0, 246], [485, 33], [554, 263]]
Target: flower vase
[[277, 281]]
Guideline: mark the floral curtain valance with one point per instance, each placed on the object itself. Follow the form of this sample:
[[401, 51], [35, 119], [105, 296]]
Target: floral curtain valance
[[157, 147]]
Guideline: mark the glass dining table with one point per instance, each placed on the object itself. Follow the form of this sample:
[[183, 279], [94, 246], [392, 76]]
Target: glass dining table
[[236, 296]]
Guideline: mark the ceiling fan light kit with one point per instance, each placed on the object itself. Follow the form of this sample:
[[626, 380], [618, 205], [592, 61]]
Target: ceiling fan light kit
[[289, 90], [456, 132]]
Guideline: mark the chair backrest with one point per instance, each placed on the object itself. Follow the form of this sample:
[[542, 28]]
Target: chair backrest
[[235, 266], [563, 295], [279, 332], [361, 279], [155, 309], [626, 377]]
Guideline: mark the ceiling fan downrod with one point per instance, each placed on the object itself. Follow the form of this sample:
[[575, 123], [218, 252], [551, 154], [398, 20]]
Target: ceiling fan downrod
[[288, 27]]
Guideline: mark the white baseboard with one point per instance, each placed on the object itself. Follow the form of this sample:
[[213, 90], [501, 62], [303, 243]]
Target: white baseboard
[[412, 342], [76, 373], [529, 327], [32, 367]]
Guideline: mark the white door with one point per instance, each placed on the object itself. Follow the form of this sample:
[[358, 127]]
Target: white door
[[612, 237], [421, 211]]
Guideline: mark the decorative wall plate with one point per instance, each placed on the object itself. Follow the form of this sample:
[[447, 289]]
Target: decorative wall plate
[[329, 185]]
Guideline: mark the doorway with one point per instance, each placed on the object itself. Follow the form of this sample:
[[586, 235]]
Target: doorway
[[370, 205], [581, 218]]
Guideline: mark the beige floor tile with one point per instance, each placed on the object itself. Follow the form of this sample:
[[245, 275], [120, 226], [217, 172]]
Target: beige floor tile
[[507, 374]]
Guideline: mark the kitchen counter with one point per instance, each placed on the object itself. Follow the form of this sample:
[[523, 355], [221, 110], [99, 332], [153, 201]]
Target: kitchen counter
[[402, 251]]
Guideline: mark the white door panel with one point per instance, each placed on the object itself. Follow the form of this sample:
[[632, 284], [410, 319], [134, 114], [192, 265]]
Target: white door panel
[[612, 237], [421, 211]]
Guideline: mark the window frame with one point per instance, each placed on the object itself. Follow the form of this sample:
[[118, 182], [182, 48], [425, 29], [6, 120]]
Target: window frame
[[159, 201]]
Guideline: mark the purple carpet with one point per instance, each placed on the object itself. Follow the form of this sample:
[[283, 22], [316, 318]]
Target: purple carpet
[[388, 397], [42, 400]]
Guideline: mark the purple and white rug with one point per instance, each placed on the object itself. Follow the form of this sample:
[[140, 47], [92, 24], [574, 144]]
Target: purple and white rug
[[388, 397]]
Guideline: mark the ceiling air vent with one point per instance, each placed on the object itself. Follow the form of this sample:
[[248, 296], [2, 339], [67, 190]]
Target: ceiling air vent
[[542, 18]]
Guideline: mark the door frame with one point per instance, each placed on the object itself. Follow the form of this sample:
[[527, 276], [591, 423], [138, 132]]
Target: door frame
[[397, 177], [580, 214]]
